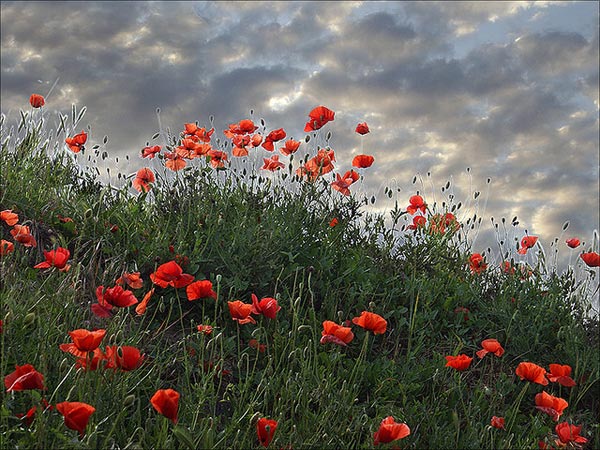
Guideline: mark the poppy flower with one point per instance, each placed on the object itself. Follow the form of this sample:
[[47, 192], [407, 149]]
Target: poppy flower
[[9, 217], [142, 179], [464, 311], [273, 136], [150, 151], [205, 329], [476, 263], [362, 128], [342, 184], [174, 161], [76, 143], [569, 433], [239, 151], [140, 309], [272, 163], [265, 430], [197, 133], [55, 258], [551, 405], [490, 346], [267, 306], [497, 422], [319, 116], [6, 247], [200, 289], [115, 296], [24, 378], [336, 334], [389, 431], [133, 280], [291, 146], [217, 158], [318, 165], [124, 357], [459, 362], [245, 126], [166, 402], [91, 362], [371, 322], [76, 414], [84, 341], [418, 222], [22, 235], [416, 203], [240, 312], [561, 374], [526, 243], [253, 343], [36, 100], [28, 417], [573, 242], [592, 259], [363, 161], [171, 274], [531, 372], [333, 222]]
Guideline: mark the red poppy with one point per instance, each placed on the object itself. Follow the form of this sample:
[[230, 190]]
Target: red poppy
[[459, 362], [76, 414], [416, 203], [239, 151], [91, 362], [342, 184], [37, 101], [174, 161], [551, 405], [561, 374], [166, 402], [205, 329], [171, 274], [272, 163], [199, 134], [150, 151], [245, 126], [142, 179], [497, 422], [531, 372], [363, 161], [490, 346], [319, 116], [24, 378], [123, 357], [217, 158], [253, 343], [200, 289], [389, 430], [362, 128], [9, 217], [507, 268], [267, 306], [240, 312], [569, 433], [115, 296], [371, 322], [333, 222], [592, 259], [140, 309], [526, 243], [265, 430], [22, 235], [6, 247], [464, 311], [336, 334], [84, 341], [291, 146], [573, 242], [28, 417], [55, 258], [273, 136], [133, 280], [418, 222], [320, 164], [476, 263], [76, 143]]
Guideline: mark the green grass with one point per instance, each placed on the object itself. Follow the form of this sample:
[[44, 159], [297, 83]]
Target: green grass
[[251, 233]]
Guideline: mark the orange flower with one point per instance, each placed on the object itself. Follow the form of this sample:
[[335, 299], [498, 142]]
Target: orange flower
[[526, 243], [239, 151], [205, 329], [171, 274], [592, 259], [84, 341], [497, 422], [76, 143], [337, 334], [197, 133], [22, 234], [174, 161], [150, 152], [490, 346], [561, 374], [142, 179], [320, 164], [459, 362], [9, 217], [363, 161], [55, 258], [319, 116], [240, 312], [291, 146], [200, 289], [476, 263], [416, 203], [265, 430], [166, 402], [573, 242], [245, 126], [569, 433], [342, 184], [389, 430], [132, 279], [531, 372], [362, 128], [37, 101], [217, 158], [24, 378], [273, 136], [6, 247], [272, 163], [371, 321], [115, 296], [267, 306], [551, 405], [418, 223], [76, 414], [141, 308]]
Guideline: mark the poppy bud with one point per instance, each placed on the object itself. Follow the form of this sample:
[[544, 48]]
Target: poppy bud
[[371, 306], [29, 318], [88, 213], [340, 315], [128, 401], [218, 278], [310, 269]]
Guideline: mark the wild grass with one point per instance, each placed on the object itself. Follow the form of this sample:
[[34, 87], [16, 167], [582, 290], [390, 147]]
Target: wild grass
[[254, 233]]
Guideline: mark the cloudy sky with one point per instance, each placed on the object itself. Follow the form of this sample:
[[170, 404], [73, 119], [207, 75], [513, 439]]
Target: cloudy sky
[[506, 89]]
